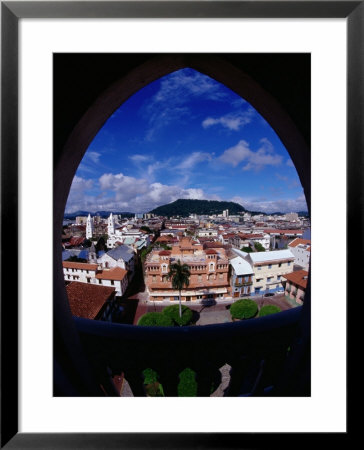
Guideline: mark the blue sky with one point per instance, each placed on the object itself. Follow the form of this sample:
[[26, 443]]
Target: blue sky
[[185, 136]]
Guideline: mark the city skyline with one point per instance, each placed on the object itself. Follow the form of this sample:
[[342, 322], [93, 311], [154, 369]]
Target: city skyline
[[185, 136]]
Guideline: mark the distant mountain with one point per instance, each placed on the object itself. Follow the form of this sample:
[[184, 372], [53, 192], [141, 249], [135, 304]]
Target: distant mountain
[[185, 207], [102, 214]]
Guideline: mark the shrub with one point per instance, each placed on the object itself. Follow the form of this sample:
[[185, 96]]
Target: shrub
[[173, 313], [150, 376], [155, 319], [151, 385], [243, 309], [268, 309], [187, 386]]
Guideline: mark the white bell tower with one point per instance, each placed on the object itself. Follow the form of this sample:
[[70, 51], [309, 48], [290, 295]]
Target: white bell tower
[[89, 227], [111, 225]]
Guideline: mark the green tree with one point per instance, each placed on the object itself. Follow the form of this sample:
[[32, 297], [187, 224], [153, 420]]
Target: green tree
[[269, 309], [246, 249], [155, 319], [179, 274], [259, 247]]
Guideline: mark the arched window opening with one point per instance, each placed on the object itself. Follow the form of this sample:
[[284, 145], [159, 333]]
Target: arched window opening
[[154, 173]]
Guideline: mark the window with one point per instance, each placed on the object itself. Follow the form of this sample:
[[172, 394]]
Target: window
[[289, 263], [100, 281], [278, 277], [259, 267], [280, 265], [112, 282], [269, 266]]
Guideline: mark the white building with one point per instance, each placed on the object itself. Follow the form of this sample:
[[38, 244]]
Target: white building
[[301, 249], [121, 256], [90, 274], [207, 232], [241, 279], [268, 269]]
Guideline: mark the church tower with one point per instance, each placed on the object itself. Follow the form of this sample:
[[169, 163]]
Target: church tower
[[92, 257], [89, 227], [111, 225]]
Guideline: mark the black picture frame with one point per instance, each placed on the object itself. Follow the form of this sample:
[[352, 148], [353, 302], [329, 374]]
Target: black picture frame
[[11, 13]]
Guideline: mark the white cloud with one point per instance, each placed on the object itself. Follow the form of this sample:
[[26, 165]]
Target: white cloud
[[186, 83], [270, 206], [125, 188], [78, 197], [193, 159], [235, 155], [93, 156], [139, 158], [123, 193], [232, 121], [255, 160], [290, 163], [169, 104]]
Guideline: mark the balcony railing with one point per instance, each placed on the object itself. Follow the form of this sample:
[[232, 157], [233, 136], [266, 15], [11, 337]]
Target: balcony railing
[[257, 351]]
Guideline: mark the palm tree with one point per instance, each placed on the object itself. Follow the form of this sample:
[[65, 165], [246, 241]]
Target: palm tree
[[180, 276]]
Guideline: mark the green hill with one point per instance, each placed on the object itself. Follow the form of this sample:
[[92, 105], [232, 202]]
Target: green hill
[[185, 207]]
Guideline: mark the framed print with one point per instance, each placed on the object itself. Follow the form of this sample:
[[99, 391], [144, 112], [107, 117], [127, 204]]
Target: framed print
[[70, 53]]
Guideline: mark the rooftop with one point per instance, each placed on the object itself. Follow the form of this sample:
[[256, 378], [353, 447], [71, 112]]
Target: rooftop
[[121, 252], [117, 274], [240, 266], [258, 257], [86, 300], [300, 242], [78, 265], [299, 278]]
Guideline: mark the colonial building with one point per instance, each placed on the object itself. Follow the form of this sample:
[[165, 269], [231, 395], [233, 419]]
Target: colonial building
[[241, 280], [208, 268], [115, 277], [121, 256], [295, 285], [268, 269]]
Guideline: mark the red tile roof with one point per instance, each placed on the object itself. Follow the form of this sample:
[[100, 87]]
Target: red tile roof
[[299, 241], [299, 277], [78, 265], [86, 300], [76, 240], [278, 231], [164, 253], [117, 274]]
